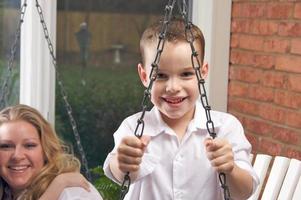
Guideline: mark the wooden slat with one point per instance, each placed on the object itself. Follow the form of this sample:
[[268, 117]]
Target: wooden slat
[[260, 166], [290, 181], [297, 193], [276, 177]]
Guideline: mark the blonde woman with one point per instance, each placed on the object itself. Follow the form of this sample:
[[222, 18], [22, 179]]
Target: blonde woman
[[34, 163]]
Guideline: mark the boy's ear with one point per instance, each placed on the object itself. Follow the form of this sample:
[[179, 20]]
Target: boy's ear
[[205, 69], [143, 75]]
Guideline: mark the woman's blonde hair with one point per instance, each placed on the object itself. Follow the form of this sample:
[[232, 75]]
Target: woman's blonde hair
[[57, 160]]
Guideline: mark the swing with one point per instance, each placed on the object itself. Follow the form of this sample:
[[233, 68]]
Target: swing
[[182, 6], [58, 77]]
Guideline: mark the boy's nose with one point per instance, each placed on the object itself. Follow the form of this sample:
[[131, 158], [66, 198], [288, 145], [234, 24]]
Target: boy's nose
[[173, 86]]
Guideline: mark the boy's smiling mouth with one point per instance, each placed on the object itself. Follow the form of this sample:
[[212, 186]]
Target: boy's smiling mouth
[[174, 100]]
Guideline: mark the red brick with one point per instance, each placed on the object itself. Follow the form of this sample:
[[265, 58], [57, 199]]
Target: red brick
[[234, 42], [279, 10], [261, 93], [269, 147], [288, 99], [240, 118], [296, 46], [264, 61], [238, 89], [253, 140], [290, 29], [245, 74], [231, 107], [294, 83], [294, 119], [258, 127], [293, 153], [244, 106], [288, 63], [274, 79], [272, 113], [276, 45], [248, 9], [297, 11], [250, 42], [254, 26], [241, 57], [263, 27], [286, 135], [240, 25]]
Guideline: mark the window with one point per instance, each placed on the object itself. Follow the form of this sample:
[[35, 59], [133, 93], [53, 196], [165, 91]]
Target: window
[[9, 19]]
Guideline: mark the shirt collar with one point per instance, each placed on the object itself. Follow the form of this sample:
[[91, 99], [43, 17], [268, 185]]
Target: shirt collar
[[200, 118], [197, 123]]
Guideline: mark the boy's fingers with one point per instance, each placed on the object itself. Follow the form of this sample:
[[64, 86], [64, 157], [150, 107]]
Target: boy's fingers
[[130, 151], [132, 141], [209, 144], [214, 144], [129, 160], [145, 139], [128, 168]]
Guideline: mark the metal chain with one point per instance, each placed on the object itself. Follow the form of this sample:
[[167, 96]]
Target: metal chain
[[64, 93], [13, 50], [147, 92], [201, 85]]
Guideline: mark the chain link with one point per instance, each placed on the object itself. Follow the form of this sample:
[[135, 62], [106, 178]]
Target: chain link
[[147, 92], [64, 93], [13, 50], [201, 85]]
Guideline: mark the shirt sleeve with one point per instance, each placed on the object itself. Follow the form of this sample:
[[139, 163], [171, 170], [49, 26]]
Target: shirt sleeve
[[233, 131], [148, 161], [78, 193], [121, 132]]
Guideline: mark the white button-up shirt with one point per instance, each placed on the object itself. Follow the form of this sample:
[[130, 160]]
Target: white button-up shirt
[[180, 170]]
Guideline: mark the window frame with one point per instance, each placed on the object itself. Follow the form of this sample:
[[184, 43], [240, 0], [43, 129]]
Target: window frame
[[214, 18], [37, 84]]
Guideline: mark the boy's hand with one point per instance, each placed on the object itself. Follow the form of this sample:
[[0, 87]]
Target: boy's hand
[[130, 152], [220, 154]]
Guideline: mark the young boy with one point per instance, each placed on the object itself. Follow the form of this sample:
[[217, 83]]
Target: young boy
[[175, 158]]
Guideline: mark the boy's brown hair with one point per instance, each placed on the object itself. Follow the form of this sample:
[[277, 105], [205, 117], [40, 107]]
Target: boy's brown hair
[[175, 32]]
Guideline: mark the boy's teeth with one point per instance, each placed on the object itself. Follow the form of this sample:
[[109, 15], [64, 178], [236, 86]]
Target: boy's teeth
[[174, 100]]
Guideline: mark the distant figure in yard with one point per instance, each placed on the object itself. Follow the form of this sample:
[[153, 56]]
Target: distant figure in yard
[[83, 37]]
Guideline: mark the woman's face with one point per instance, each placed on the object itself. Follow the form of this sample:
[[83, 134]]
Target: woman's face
[[21, 154]]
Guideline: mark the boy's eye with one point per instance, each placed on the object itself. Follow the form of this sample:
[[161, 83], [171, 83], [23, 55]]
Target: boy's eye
[[161, 76], [6, 146], [188, 74]]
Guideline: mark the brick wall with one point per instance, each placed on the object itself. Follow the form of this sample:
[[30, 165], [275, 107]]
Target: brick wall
[[265, 74]]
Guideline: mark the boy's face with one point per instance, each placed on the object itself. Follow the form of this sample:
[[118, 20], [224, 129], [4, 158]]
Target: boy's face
[[175, 90]]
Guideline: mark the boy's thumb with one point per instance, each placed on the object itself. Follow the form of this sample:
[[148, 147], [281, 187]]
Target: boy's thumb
[[145, 139]]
